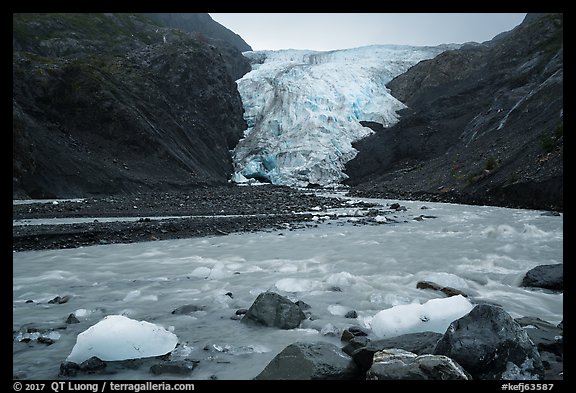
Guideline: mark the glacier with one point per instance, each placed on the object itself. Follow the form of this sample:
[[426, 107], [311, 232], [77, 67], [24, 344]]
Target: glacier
[[303, 109]]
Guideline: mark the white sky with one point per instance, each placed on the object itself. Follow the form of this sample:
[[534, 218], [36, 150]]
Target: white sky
[[328, 31]]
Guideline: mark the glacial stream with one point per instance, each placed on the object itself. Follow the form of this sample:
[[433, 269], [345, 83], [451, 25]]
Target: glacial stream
[[335, 267]]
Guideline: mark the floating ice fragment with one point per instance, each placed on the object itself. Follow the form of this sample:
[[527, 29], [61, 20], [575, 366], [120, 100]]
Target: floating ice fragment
[[82, 312], [117, 337], [336, 309], [433, 316]]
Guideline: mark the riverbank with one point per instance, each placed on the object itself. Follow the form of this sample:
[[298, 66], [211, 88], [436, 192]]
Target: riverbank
[[204, 211]]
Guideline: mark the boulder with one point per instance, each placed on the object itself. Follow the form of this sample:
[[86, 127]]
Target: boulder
[[490, 345], [417, 343], [310, 361], [545, 276], [448, 291], [403, 365], [274, 310]]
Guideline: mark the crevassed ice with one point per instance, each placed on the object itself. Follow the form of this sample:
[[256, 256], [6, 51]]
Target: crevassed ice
[[303, 109]]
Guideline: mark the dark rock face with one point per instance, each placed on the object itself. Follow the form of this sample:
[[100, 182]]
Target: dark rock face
[[484, 125], [545, 276], [398, 364], [112, 103], [310, 361], [490, 345], [274, 310], [203, 27]]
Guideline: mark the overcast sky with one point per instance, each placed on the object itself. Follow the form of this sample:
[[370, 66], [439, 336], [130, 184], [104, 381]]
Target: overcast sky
[[318, 31]]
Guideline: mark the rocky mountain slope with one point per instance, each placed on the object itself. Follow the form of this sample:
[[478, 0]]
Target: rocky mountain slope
[[484, 125], [116, 103], [201, 23], [203, 27]]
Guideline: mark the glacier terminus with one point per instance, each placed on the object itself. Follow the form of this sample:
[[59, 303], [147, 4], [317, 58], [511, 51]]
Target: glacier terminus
[[303, 109]]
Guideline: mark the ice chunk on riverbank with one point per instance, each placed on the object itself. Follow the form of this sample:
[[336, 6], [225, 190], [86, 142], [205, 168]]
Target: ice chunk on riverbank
[[117, 337], [433, 316]]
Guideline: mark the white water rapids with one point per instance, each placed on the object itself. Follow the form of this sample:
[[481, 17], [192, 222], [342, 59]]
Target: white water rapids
[[484, 251]]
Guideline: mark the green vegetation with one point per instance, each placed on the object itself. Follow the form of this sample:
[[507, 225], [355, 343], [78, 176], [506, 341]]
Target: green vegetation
[[471, 178], [559, 131], [29, 28], [490, 163], [555, 41], [550, 141]]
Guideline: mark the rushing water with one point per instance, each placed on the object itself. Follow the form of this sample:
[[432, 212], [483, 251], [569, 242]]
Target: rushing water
[[484, 251]]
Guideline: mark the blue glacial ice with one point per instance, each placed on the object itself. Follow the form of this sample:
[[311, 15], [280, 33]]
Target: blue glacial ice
[[303, 109]]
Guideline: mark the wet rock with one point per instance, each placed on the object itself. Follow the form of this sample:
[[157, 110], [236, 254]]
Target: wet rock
[[45, 340], [93, 365], [398, 364], [28, 334], [545, 335], [357, 331], [354, 343], [351, 332], [310, 361], [188, 309], [490, 345], [177, 368], [417, 343], [553, 366], [72, 319], [69, 369], [303, 305], [274, 310], [448, 291], [545, 276], [59, 300]]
